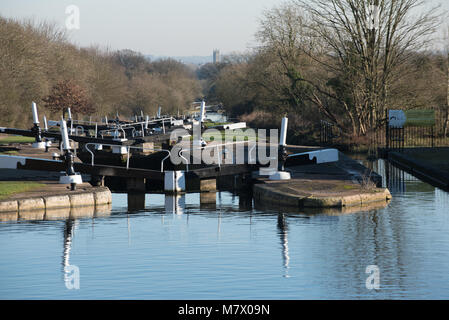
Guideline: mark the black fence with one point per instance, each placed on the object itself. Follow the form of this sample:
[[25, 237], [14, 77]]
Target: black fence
[[412, 137], [384, 137], [415, 136], [329, 132]]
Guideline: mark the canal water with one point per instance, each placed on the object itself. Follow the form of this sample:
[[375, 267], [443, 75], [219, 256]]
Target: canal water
[[233, 251]]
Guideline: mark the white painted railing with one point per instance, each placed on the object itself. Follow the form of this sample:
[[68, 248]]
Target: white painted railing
[[128, 149], [218, 153]]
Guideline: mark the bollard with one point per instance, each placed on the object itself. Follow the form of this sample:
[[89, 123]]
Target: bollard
[[120, 149], [203, 112], [47, 145], [45, 124], [282, 144], [70, 177], [38, 144], [47, 142], [282, 154], [35, 116], [283, 139]]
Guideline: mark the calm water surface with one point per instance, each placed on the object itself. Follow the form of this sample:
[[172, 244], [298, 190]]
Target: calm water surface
[[234, 251]]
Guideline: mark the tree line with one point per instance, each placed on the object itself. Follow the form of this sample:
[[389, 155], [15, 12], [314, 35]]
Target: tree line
[[38, 63], [342, 61]]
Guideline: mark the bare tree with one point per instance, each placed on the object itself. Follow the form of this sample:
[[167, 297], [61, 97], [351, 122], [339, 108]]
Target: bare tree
[[369, 41], [446, 109], [282, 34]]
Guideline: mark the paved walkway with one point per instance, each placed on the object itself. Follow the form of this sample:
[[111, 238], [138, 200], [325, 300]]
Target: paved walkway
[[345, 183]]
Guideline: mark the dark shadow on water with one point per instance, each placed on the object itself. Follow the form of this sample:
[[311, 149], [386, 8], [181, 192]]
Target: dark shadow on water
[[283, 234]]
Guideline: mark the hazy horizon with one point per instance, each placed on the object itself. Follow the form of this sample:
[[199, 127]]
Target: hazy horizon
[[170, 28]]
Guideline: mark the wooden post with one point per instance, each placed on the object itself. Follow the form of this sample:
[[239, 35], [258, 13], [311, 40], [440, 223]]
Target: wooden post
[[136, 193]]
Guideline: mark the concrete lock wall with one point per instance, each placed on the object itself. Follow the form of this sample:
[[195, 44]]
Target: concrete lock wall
[[56, 202], [208, 185], [53, 204], [145, 148], [9, 206], [31, 204]]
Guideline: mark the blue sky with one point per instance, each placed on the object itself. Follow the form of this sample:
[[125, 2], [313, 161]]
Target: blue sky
[[157, 27]]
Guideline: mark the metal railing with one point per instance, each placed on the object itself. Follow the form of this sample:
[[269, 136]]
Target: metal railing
[[71, 142], [103, 132], [128, 149], [327, 133], [218, 153]]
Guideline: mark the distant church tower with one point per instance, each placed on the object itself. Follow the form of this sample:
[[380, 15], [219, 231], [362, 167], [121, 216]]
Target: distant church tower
[[216, 56]]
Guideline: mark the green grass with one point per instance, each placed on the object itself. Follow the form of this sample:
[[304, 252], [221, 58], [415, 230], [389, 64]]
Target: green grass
[[214, 124], [10, 153], [16, 139], [8, 188]]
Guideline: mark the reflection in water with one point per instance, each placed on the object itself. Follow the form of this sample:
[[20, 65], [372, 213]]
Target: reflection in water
[[175, 204], [32, 215], [208, 200], [283, 232], [299, 254], [441, 199], [129, 230], [70, 272], [57, 214], [9, 216], [245, 202], [82, 212], [219, 226], [136, 201], [68, 233], [393, 178]]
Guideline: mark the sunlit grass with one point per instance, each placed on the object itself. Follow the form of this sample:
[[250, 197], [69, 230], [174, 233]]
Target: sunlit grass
[[16, 139], [8, 188], [10, 153]]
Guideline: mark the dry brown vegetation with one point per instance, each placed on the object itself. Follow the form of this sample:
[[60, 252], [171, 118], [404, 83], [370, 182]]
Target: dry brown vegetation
[[326, 60], [34, 57]]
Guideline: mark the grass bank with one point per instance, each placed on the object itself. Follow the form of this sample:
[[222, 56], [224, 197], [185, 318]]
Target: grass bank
[[8, 188], [15, 139]]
